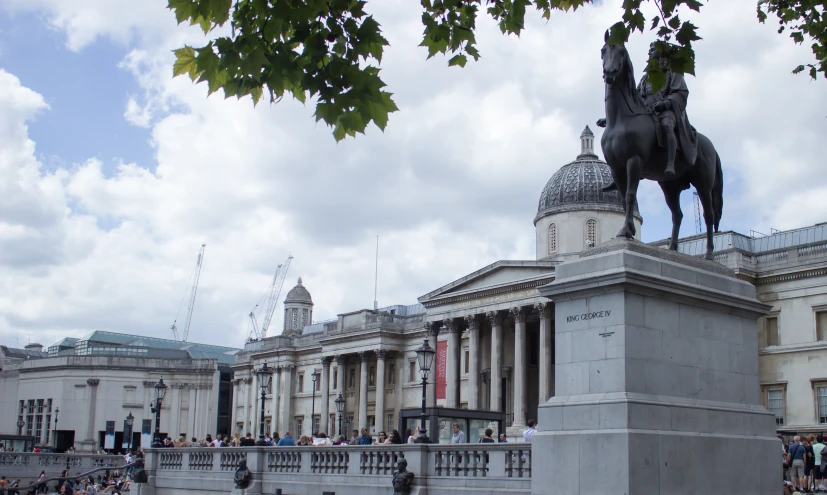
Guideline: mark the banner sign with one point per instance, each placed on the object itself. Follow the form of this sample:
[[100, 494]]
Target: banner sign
[[146, 433], [109, 438], [441, 368]]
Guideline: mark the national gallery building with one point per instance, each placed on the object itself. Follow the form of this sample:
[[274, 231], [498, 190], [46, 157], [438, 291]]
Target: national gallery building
[[494, 333]]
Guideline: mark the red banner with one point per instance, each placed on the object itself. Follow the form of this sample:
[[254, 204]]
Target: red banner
[[441, 368]]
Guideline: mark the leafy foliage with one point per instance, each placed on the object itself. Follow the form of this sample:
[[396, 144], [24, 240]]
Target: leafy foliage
[[331, 49]]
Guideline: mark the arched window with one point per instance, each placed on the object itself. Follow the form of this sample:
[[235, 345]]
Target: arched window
[[591, 233], [295, 319], [304, 318], [552, 238]]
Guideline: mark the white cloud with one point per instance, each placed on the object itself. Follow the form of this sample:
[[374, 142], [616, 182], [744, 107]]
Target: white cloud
[[450, 186]]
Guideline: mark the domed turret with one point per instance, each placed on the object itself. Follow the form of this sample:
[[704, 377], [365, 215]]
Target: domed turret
[[574, 213], [298, 309]]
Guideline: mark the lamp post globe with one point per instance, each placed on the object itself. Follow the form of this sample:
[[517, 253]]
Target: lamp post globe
[[340, 407], [54, 432], [160, 393], [425, 358], [264, 375], [20, 425]]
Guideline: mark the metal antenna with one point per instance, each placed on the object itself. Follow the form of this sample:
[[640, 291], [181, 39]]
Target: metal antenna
[[376, 276]]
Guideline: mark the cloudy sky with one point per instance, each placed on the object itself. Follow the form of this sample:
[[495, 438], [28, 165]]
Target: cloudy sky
[[112, 174]]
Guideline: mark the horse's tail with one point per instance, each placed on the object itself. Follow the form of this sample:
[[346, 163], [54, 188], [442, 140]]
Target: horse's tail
[[718, 193]]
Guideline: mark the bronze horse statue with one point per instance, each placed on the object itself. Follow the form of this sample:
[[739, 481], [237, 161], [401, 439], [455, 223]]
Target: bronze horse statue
[[631, 149]]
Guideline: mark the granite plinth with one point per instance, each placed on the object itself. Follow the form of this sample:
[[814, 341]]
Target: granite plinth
[[656, 380]]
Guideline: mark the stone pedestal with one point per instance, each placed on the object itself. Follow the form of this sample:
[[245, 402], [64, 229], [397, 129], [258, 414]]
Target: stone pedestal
[[656, 380]]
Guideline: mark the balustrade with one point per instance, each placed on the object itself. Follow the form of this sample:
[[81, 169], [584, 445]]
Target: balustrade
[[230, 459]]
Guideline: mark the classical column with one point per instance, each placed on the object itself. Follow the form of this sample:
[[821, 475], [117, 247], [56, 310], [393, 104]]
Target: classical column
[[325, 412], [274, 408], [233, 408], [545, 351], [433, 334], [175, 411], [248, 407], [452, 364], [341, 371], [363, 390], [496, 360], [473, 357], [519, 394], [191, 413], [380, 389], [286, 400], [93, 405]]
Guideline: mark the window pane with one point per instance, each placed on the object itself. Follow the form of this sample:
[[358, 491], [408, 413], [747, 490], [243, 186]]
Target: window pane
[[775, 403], [822, 404]]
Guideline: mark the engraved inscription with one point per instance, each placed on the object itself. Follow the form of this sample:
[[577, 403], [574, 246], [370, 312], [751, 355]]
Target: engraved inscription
[[588, 316]]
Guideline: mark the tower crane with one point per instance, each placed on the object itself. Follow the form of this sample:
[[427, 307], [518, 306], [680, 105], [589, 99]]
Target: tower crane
[[196, 275], [272, 298]]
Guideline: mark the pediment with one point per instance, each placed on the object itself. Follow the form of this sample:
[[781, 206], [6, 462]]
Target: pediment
[[500, 274]]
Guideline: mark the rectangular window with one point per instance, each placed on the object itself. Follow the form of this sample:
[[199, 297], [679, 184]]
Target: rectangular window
[[467, 365], [821, 393], [299, 424], [129, 395], [267, 424], [331, 425], [316, 424], [411, 371], [390, 426], [335, 379], [771, 328], [392, 374], [372, 376], [775, 404], [39, 406], [38, 432], [821, 325], [352, 378], [300, 384], [48, 427]]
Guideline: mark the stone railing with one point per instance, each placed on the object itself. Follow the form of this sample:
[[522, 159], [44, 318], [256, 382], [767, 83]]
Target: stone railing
[[347, 470], [27, 466]]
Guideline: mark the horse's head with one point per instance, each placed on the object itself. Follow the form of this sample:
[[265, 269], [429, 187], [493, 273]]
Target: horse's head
[[615, 58]]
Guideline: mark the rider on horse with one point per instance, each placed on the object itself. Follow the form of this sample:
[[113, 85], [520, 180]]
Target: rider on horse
[[669, 105]]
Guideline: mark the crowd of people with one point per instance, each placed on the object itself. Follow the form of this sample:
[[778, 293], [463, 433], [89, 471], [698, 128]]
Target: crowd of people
[[805, 468]]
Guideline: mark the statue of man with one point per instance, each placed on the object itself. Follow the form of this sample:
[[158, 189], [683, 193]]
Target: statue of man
[[402, 478], [242, 475], [669, 105]]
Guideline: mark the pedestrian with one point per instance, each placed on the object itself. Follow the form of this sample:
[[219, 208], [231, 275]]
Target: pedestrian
[[286, 440], [796, 456], [459, 435], [365, 439], [530, 431], [818, 473]]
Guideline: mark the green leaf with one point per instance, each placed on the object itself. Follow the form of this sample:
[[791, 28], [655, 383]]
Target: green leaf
[[460, 60], [185, 62]]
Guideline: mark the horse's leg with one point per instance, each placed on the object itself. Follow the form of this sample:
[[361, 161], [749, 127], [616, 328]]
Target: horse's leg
[[705, 195], [672, 194], [633, 166]]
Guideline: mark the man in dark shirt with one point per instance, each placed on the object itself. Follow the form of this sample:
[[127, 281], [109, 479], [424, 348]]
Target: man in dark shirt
[[248, 441], [365, 438], [797, 453]]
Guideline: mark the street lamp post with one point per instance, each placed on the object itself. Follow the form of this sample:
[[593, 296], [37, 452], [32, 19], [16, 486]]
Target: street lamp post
[[264, 375], [54, 432], [425, 357], [313, 404], [160, 392], [340, 407], [20, 425], [130, 420]]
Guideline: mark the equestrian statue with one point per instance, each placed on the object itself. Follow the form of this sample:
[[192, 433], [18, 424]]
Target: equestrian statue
[[648, 136]]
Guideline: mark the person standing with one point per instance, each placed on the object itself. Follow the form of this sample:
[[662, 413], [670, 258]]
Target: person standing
[[796, 455], [818, 473], [286, 441], [530, 431], [458, 436]]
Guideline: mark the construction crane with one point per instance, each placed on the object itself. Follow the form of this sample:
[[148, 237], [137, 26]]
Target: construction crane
[[196, 275], [272, 298]]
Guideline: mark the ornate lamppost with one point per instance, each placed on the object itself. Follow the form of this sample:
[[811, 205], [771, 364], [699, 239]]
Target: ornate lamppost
[[340, 407], [130, 420], [264, 375], [313, 404], [20, 425], [425, 357], [54, 432], [160, 393]]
